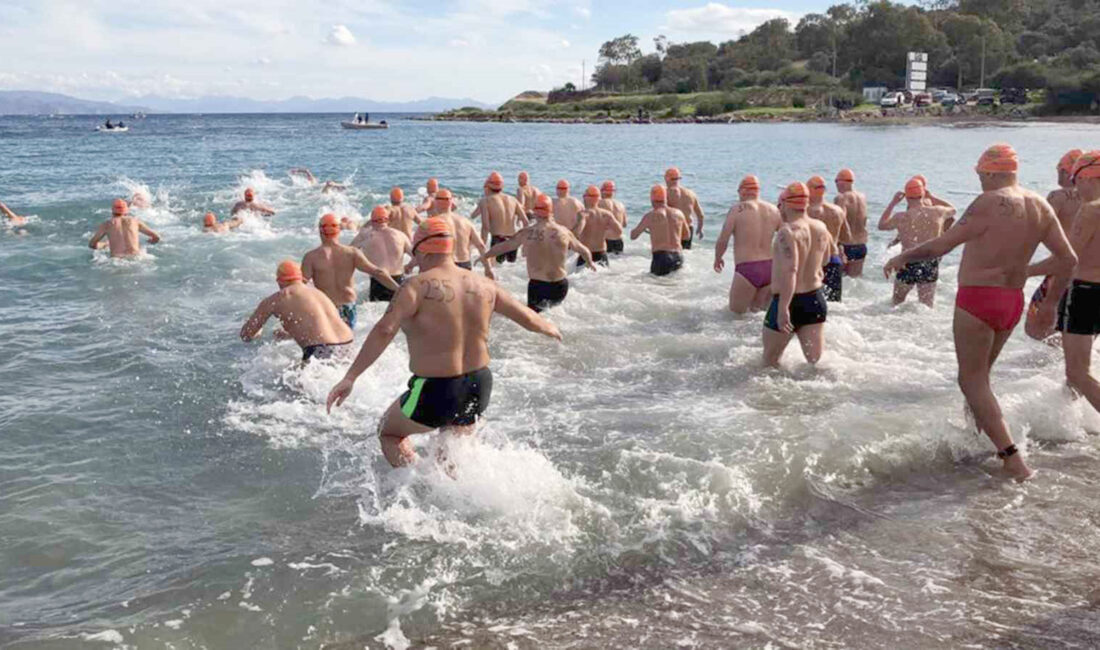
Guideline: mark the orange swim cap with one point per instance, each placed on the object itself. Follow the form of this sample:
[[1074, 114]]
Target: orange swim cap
[[543, 205], [330, 226], [249, 194], [494, 182], [379, 214], [397, 195], [592, 192], [749, 185], [288, 272], [914, 189], [209, 220], [998, 159], [443, 196], [433, 186], [797, 196], [608, 188], [119, 207], [1068, 160], [846, 176], [1086, 166], [816, 185], [657, 194], [563, 184], [523, 178], [672, 174], [434, 237], [922, 179]]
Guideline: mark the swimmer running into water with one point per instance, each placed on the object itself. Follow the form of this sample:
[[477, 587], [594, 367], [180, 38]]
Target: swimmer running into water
[[464, 235], [920, 222], [526, 193], [667, 228], [686, 202], [608, 202], [567, 209], [499, 214], [798, 306], [251, 205], [403, 216], [833, 216], [600, 225], [854, 204], [306, 314], [1000, 230], [121, 231], [752, 223], [332, 265], [386, 248], [446, 314]]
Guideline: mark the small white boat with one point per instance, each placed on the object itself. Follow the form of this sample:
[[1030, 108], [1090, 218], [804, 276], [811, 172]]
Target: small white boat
[[114, 129], [348, 124]]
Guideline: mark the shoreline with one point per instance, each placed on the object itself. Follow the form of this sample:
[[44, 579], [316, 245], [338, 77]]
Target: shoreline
[[782, 116]]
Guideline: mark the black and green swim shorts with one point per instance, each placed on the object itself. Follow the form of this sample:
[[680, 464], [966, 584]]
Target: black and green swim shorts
[[447, 401]]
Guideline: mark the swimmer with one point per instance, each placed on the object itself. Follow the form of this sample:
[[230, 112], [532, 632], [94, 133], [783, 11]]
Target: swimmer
[[599, 225], [431, 187], [499, 214], [567, 208], [210, 224], [1000, 230], [833, 217], [545, 245], [526, 193], [140, 200], [798, 305], [349, 223], [1066, 203], [918, 223], [249, 203], [121, 231], [854, 205], [608, 202], [386, 248], [1079, 311], [464, 236], [331, 267], [667, 228], [403, 216], [752, 223], [13, 219], [306, 314], [304, 173], [333, 186], [685, 201], [445, 313]]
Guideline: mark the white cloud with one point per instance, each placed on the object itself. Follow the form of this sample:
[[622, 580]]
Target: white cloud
[[722, 20], [564, 43], [583, 12], [458, 42], [341, 35], [263, 60]]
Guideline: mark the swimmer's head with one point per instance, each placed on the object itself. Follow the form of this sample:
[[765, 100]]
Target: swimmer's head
[[998, 159], [816, 186], [563, 187], [544, 207], [397, 195], [432, 186], [607, 190], [434, 237], [914, 189], [524, 179], [249, 194], [797, 197], [346, 224], [495, 182], [287, 273], [845, 176], [591, 196], [380, 215], [749, 187], [1065, 167], [657, 196], [209, 221], [140, 199], [443, 200], [1086, 169], [329, 226], [119, 207], [672, 175]]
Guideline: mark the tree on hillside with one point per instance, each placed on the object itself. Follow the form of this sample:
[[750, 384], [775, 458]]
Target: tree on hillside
[[883, 35], [620, 51]]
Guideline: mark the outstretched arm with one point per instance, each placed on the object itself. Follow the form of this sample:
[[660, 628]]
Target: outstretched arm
[[614, 228], [364, 265], [963, 231], [254, 326], [643, 226], [8, 213], [521, 214], [723, 241], [936, 201], [100, 233], [148, 232], [576, 246], [505, 246], [510, 308], [479, 244], [888, 220]]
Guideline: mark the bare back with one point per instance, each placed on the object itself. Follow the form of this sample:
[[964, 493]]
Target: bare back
[[1066, 204], [1012, 222], [448, 335], [308, 316], [122, 235], [667, 229], [546, 245], [566, 210], [812, 246], [753, 224], [332, 269], [829, 214], [854, 205], [403, 218], [598, 223], [616, 208], [526, 196], [1086, 236], [682, 199], [385, 247], [920, 224], [462, 229], [498, 211]]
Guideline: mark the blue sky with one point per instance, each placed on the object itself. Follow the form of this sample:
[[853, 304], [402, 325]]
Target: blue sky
[[379, 49]]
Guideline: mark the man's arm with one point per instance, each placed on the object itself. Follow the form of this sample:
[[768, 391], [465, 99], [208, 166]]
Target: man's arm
[[967, 228], [786, 264], [521, 214], [364, 265], [8, 213], [643, 226], [576, 246], [1062, 249], [510, 308], [479, 244], [254, 326], [505, 246], [403, 306], [476, 214], [100, 233], [578, 226], [723, 241], [936, 201], [888, 220], [307, 269], [614, 228], [148, 232], [698, 210], [265, 210]]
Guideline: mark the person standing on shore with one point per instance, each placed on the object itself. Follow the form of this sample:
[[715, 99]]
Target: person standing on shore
[[546, 245], [403, 216], [667, 228], [919, 223], [384, 247], [1000, 232], [686, 202], [251, 205], [752, 224], [833, 217], [854, 205], [798, 306], [599, 225], [567, 209], [13, 219], [332, 265], [608, 202], [1066, 202], [526, 193], [499, 214], [121, 231]]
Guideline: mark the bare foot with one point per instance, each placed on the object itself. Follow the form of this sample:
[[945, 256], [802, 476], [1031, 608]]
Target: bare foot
[[1015, 466]]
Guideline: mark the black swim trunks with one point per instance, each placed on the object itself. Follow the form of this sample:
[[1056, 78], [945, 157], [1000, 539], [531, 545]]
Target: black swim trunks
[[598, 257], [834, 280], [615, 246], [665, 262], [447, 401], [808, 308], [322, 350], [510, 257], [686, 243], [544, 295], [468, 265], [380, 293], [922, 272], [855, 252], [1079, 309]]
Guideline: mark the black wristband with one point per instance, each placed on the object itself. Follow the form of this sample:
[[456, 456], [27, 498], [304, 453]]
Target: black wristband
[[1007, 451]]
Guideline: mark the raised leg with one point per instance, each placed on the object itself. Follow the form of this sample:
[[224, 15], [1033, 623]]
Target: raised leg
[[393, 433]]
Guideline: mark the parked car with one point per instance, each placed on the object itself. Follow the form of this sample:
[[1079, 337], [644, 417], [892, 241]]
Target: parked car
[[1014, 96], [938, 95], [891, 100], [921, 100], [968, 97], [987, 97], [951, 99]]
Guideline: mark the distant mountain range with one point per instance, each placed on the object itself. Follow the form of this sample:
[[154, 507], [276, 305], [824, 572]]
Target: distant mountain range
[[25, 102]]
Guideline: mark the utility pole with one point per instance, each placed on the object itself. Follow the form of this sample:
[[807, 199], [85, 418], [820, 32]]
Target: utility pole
[[981, 84], [583, 73]]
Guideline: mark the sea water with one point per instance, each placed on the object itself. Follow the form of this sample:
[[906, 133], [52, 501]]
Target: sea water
[[646, 483]]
